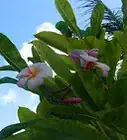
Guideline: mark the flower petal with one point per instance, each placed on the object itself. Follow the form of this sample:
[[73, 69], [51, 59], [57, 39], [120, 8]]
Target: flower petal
[[23, 73], [88, 58], [34, 83], [76, 54], [22, 82], [92, 52], [105, 68]]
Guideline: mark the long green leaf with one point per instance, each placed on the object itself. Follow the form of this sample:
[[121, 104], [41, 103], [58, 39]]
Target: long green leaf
[[61, 42], [25, 114], [96, 19], [71, 113], [7, 68], [116, 118], [81, 91], [74, 128], [66, 11], [8, 80], [9, 130], [94, 87], [124, 9], [20, 136], [10, 53]]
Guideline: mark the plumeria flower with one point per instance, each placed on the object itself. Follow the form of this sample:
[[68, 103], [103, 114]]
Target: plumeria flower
[[75, 55], [73, 100], [90, 63], [88, 60], [33, 76]]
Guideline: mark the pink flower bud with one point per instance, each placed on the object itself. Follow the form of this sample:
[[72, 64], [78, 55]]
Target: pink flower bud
[[72, 100]]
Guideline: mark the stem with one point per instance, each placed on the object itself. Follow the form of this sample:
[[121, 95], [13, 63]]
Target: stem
[[101, 129], [119, 130]]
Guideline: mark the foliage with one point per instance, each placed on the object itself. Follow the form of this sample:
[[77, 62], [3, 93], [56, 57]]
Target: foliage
[[113, 19], [102, 111]]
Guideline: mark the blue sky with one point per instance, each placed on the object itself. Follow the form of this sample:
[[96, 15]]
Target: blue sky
[[19, 21]]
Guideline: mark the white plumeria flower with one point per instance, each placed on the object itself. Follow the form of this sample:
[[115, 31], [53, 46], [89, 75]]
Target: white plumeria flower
[[33, 76]]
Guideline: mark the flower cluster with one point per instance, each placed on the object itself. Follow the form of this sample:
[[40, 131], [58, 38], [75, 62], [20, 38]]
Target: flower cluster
[[33, 76], [88, 60]]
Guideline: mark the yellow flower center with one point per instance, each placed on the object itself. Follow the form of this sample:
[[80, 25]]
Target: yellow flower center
[[33, 72]]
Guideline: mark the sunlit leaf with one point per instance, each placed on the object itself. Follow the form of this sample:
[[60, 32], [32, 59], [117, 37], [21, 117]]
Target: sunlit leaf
[[96, 19], [66, 11], [10, 53], [61, 42]]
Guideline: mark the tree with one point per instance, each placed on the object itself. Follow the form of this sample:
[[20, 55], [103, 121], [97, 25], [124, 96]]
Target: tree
[[84, 99]]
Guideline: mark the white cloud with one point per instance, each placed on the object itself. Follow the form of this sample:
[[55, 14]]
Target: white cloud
[[47, 26], [33, 102], [25, 51], [10, 97]]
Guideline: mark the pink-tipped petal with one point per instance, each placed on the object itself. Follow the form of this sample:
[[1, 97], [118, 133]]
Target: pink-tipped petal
[[105, 73], [22, 82], [93, 52], [105, 68]]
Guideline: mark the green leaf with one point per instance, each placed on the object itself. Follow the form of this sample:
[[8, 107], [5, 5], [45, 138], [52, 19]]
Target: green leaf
[[74, 128], [63, 28], [53, 59], [20, 136], [9, 130], [116, 118], [71, 113], [117, 93], [124, 65], [60, 81], [68, 61], [96, 19], [36, 58], [66, 11], [7, 68], [124, 9], [11, 54], [121, 37], [80, 91], [43, 108], [110, 56], [25, 114], [8, 80], [61, 42], [94, 86]]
